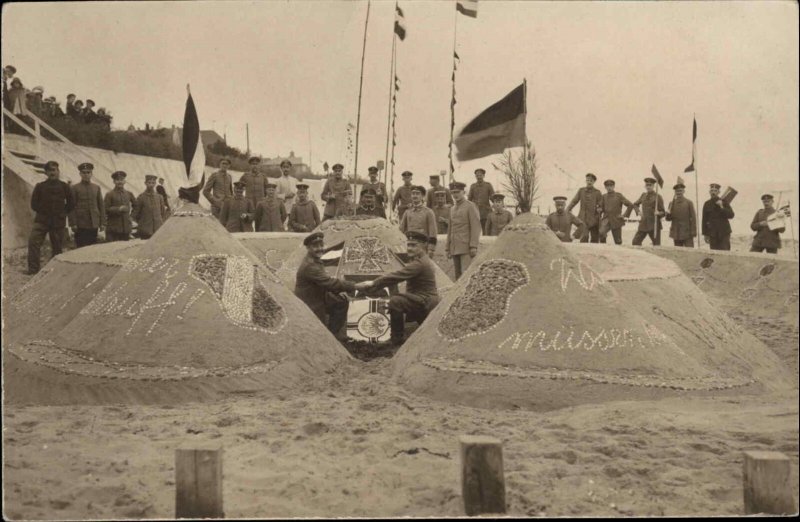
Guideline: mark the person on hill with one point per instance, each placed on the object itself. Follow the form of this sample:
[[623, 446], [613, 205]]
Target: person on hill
[[421, 294], [149, 210], [35, 100], [419, 218], [78, 111], [499, 217], [219, 187], [716, 226], [402, 196], [561, 221], [72, 111], [480, 193], [591, 202], [270, 212], [650, 207], [441, 210], [368, 206], [381, 196], [104, 118], [52, 201], [345, 207], [333, 193], [286, 185], [119, 204], [324, 295], [236, 212], [163, 193], [430, 200], [765, 238], [89, 116], [8, 74], [611, 220], [464, 231], [683, 218], [17, 99], [304, 216], [89, 213], [255, 183]]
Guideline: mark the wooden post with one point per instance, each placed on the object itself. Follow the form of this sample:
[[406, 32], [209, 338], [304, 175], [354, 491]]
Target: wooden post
[[482, 483], [767, 483], [198, 481]]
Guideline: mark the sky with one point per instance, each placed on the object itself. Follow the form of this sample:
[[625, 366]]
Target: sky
[[612, 87]]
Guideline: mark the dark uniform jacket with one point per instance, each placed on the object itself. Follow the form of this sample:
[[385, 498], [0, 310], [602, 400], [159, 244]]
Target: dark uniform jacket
[[218, 187], [255, 186], [611, 205], [149, 212], [684, 219], [313, 283], [230, 215], [270, 215], [89, 210], [304, 216], [647, 221], [333, 196], [716, 220], [375, 211], [497, 221], [430, 202], [480, 193], [118, 219], [563, 223], [419, 275], [380, 190], [402, 198], [591, 200], [765, 238], [52, 200]]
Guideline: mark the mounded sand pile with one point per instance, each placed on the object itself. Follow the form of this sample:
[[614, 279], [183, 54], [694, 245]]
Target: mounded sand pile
[[272, 248], [531, 324], [191, 314]]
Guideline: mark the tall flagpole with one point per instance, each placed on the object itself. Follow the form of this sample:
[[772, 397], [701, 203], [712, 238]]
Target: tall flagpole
[[696, 181], [392, 73], [360, 90], [453, 98]]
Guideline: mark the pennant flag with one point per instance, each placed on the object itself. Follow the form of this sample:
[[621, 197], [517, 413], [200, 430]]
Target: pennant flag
[[456, 56], [399, 23], [396, 83], [497, 128], [468, 8], [690, 168], [194, 157], [680, 181], [658, 177]]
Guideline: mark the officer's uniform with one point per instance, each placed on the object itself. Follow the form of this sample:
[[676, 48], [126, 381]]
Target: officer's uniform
[[419, 218], [372, 210], [611, 205], [304, 216], [496, 221], [89, 212], [765, 239], [562, 221], [683, 218], [402, 199], [236, 214], [716, 222], [591, 200], [333, 196], [381, 196], [649, 225], [480, 193], [149, 212], [119, 204], [218, 187], [255, 185], [430, 200], [270, 215], [51, 200], [464, 232]]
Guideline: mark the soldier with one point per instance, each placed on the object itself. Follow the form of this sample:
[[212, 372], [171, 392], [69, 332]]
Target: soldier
[[441, 210], [650, 207], [149, 210], [51, 200], [286, 185], [402, 196], [219, 187], [89, 214], [304, 216], [591, 203], [332, 193], [611, 206], [163, 193], [119, 205], [368, 207], [345, 205], [381, 197], [464, 231], [270, 212], [255, 183], [236, 214], [480, 193], [499, 217], [716, 226], [561, 221], [430, 201], [421, 295], [683, 217], [323, 294], [419, 218], [765, 239]]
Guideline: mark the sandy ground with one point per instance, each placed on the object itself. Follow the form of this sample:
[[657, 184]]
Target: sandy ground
[[356, 444]]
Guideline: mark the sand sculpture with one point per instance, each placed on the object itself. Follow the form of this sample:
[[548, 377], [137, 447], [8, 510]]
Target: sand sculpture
[[538, 325], [189, 314]]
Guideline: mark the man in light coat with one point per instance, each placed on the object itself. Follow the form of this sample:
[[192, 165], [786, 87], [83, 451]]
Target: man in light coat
[[465, 230], [89, 214], [219, 187]]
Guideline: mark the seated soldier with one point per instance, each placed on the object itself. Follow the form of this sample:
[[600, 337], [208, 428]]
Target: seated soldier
[[420, 296], [368, 206], [323, 294]]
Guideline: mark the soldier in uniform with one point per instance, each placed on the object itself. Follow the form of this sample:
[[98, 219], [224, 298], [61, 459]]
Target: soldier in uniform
[[650, 206], [323, 294], [286, 185], [421, 295], [163, 193], [480, 193], [236, 214], [270, 212], [683, 218], [441, 210], [89, 214], [591, 203], [51, 200], [402, 196], [430, 201], [561, 221], [381, 196], [304, 216], [419, 218], [464, 231], [765, 239], [119, 204], [611, 206], [368, 207], [332, 193], [255, 183], [219, 187], [716, 226], [345, 205], [499, 217], [149, 210]]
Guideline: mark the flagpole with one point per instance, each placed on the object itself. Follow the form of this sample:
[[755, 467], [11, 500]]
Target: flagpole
[[360, 90], [696, 184], [453, 98], [392, 73]]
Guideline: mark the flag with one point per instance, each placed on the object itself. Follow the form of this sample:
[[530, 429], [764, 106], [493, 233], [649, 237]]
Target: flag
[[396, 83], [399, 23], [690, 168], [497, 128], [468, 8], [194, 157], [658, 177], [680, 181]]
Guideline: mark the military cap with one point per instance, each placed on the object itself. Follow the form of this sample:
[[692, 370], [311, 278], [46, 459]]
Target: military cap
[[609, 182], [90, 101], [590, 175], [150, 177], [498, 196], [715, 185], [78, 102], [418, 188], [560, 198], [72, 94], [677, 186], [650, 180], [766, 197], [314, 238], [50, 99], [407, 174], [413, 235], [224, 160], [338, 166], [38, 89], [11, 68], [482, 171], [457, 185], [439, 191], [50, 163], [254, 159], [434, 176], [286, 162], [120, 174], [372, 169], [239, 184], [369, 192], [271, 185], [301, 186], [86, 166]]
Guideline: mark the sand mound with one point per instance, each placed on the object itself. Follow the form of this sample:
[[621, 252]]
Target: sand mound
[[272, 248], [532, 324], [191, 307]]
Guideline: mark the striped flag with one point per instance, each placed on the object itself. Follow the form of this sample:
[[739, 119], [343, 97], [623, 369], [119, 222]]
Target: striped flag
[[399, 22], [468, 8], [690, 168], [194, 157], [497, 128]]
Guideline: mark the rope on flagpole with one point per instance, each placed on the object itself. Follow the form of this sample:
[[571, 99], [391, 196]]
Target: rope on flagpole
[[392, 72], [360, 90], [453, 98]]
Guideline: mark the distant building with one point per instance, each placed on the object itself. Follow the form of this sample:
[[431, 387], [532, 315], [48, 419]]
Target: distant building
[[299, 169]]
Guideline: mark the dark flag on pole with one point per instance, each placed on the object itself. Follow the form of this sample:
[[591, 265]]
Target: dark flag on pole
[[194, 157], [468, 8], [399, 23], [690, 168], [656, 175], [499, 127]]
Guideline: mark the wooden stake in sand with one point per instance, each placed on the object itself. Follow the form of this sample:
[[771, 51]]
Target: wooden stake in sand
[[767, 483], [483, 486], [198, 481]]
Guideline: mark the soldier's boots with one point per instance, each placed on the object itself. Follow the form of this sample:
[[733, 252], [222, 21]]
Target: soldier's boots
[[398, 327]]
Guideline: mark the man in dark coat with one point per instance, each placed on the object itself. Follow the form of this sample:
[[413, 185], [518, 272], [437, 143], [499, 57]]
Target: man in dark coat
[[766, 238], [480, 194], [368, 206], [716, 226], [402, 196], [561, 221], [236, 214], [304, 216], [119, 204], [219, 187], [499, 217], [611, 206], [430, 197], [683, 218], [163, 193], [149, 210], [255, 182], [334, 194], [89, 214], [51, 200], [591, 201], [650, 206], [381, 196]]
